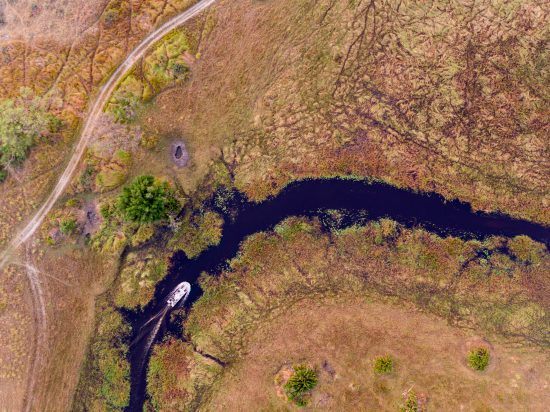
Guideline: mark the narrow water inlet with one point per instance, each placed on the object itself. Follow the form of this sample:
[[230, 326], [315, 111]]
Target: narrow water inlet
[[146, 334]]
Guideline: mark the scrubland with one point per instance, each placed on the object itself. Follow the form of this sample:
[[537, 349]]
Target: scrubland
[[434, 96], [60, 52], [338, 300], [449, 97]]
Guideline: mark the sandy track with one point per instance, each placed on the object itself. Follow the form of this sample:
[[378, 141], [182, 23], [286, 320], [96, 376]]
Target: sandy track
[[34, 223], [39, 309], [93, 114]]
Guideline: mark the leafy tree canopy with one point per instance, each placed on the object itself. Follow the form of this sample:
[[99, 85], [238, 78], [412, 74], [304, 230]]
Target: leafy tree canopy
[[22, 122], [147, 199]]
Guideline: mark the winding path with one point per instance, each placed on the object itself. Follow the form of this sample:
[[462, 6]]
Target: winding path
[[93, 114], [34, 223]]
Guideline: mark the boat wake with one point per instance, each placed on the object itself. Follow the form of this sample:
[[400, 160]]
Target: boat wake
[[150, 329]]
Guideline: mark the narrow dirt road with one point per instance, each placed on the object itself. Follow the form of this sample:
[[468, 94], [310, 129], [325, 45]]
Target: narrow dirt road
[[94, 112], [40, 332]]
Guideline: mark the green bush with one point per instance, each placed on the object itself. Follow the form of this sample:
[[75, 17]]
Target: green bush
[[110, 178], [22, 122], [3, 175], [125, 109], [55, 124], [478, 359], [110, 17], [85, 179], [73, 202], [179, 69], [108, 209], [303, 380], [147, 199], [383, 364], [67, 226]]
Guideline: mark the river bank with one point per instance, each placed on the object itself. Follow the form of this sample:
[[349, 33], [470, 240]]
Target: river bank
[[356, 202]]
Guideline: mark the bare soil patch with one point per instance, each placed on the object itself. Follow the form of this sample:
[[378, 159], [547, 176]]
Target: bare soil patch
[[59, 20]]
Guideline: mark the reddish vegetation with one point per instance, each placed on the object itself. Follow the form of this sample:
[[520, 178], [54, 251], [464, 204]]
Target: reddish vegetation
[[444, 101]]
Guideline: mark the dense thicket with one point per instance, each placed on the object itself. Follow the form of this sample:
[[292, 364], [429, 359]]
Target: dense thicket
[[147, 199], [22, 122]]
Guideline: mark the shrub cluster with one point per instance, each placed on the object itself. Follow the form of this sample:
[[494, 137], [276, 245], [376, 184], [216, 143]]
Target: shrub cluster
[[22, 122], [146, 200], [383, 364], [302, 380], [125, 111], [411, 403], [478, 359], [67, 226], [105, 380]]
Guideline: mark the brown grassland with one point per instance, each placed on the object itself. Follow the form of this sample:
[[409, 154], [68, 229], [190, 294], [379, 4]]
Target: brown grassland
[[299, 295], [342, 336], [61, 51], [436, 96], [444, 96]]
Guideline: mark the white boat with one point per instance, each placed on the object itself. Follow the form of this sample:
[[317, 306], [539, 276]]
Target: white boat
[[180, 292]]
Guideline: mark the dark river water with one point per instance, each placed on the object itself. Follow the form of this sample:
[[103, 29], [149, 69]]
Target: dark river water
[[358, 201]]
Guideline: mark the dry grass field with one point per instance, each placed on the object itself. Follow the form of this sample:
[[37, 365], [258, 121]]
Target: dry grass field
[[446, 97], [16, 338], [450, 97], [342, 299], [342, 337], [60, 21]]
